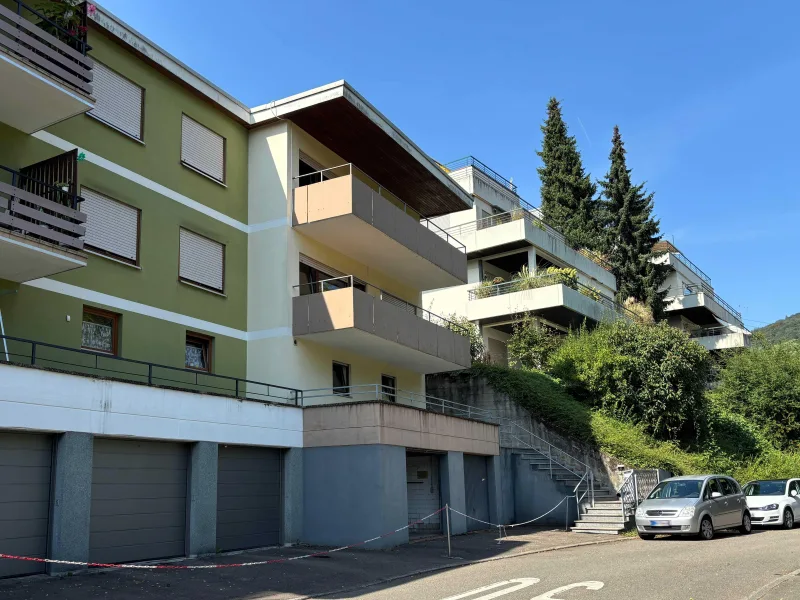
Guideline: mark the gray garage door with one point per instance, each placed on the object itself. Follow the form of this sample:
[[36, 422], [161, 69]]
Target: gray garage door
[[476, 482], [25, 461], [248, 497], [138, 500]]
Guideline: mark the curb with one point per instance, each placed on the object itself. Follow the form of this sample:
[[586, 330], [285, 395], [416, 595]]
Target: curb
[[456, 566]]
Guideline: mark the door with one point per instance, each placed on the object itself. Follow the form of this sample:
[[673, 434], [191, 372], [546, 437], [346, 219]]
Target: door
[[732, 502], [424, 497], [248, 497], [716, 506], [25, 462], [138, 509], [794, 500], [476, 487]]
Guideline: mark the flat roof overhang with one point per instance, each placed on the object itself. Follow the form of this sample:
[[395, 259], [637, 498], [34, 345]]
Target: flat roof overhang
[[341, 119]]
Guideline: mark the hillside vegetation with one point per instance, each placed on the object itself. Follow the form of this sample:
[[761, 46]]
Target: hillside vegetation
[[785, 329]]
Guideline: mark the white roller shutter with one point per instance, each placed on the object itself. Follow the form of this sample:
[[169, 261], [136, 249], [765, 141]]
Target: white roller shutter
[[203, 149], [119, 101], [111, 226], [202, 260]]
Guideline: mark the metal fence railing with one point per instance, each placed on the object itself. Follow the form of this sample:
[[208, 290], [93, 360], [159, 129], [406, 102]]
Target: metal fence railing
[[691, 266], [348, 281], [711, 332], [471, 161], [351, 169], [695, 289], [636, 486], [14, 350]]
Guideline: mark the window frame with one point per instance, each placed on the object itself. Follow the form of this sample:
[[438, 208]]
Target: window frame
[[109, 254], [386, 396], [198, 170], [115, 317], [139, 139], [203, 339], [347, 393], [197, 284]]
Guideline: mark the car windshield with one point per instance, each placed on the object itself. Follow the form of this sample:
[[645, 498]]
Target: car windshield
[[683, 488], [766, 488]]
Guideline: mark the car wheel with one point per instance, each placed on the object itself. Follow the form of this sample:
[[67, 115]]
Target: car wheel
[[706, 529], [647, 536], [788, 518], [747, 524]]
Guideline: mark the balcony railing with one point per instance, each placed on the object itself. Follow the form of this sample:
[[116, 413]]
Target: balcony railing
[[35, 39], [35, 208], [351, 169], [534, 217], [693, 290], [712, 332], [471, 161], [692, 267], [540, 281], [14, 350], [348, 281]]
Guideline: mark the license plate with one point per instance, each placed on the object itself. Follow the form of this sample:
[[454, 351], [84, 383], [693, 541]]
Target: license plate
[[659, 523]]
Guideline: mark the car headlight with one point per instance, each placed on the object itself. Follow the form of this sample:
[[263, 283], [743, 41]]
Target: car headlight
[[640, 512], [770, 507], [688, 511]]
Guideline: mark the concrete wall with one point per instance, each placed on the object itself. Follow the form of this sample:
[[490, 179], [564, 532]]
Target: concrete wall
[[535, 494], [354, 493]]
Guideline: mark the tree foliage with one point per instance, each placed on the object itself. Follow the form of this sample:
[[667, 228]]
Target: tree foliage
[[762, 383], [531, 344], [651, 375], [458, 324], [568, 193]]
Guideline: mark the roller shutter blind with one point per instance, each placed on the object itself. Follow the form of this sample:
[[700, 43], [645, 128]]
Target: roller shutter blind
[[111, 227], [202, 260], [202, 149], [119, 101]]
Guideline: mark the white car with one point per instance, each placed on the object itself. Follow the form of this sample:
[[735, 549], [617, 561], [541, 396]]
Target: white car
[[774, 501]]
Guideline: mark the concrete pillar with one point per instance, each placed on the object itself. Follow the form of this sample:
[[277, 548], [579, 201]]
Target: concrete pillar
[[72, 499], [494, 469], [453, 490], [532, 259], [292, 495], [201, 535]]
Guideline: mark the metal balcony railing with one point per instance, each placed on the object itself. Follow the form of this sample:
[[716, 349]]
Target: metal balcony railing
[[48, 212], [36, 39], [691, 266], [351, 169], [693, 290], [14, 350], [471, 161], [711, 332], [348, 281]]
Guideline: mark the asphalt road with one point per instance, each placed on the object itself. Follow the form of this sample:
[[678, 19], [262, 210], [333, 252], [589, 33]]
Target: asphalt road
[[764, 565]]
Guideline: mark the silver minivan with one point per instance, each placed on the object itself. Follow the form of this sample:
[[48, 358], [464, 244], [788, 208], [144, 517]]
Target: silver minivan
[[693, 505]]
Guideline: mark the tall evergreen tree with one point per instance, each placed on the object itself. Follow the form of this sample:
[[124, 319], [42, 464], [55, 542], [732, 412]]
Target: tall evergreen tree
[[568, 193], [631, 232]]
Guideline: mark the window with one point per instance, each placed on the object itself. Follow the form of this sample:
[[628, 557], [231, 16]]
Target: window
[[316, 277], [112, 228], [202, 261], [309, 171], [99, 330], [119, 102], [389, 388], [795, 485], [198, 352], [341, 379], [727, 487], [202, 149], [711, 487]]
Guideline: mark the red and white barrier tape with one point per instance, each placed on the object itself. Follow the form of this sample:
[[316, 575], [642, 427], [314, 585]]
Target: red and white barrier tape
[[220, 566], [515, 524]]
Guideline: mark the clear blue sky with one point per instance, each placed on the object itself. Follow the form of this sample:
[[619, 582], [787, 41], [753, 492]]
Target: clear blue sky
[[706, 95]]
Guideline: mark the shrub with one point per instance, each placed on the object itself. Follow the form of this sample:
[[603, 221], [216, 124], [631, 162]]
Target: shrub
[[591, 292], [651, 375], [476, 349], [531, 344], [639, 311]]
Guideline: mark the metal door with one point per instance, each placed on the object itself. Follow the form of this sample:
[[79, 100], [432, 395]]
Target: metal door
[[476, 483], [424, 495]]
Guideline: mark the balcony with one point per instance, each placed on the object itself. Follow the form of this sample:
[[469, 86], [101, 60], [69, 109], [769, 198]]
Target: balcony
[[721, 338], [344, 209], [45, 72], [559, 298], [371, 322], [701, 305], [41, 228]]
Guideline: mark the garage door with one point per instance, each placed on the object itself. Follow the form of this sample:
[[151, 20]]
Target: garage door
[[138, 500], [476, 483], [248, 497], [25, 461]]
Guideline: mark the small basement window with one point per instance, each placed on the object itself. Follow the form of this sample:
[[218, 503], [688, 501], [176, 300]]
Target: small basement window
[[198, 352]]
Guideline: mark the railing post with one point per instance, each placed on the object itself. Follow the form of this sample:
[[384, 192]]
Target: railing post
[[237, 388], [33, 353], [149, 374], [447, 517], [635, 490]]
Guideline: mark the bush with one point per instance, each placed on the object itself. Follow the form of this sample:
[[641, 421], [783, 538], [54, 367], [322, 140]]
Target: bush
[[651, 375], [531, 344], [456, 323], [762, 384]]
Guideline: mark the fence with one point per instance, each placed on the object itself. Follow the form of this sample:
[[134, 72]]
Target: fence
[[636, 486]]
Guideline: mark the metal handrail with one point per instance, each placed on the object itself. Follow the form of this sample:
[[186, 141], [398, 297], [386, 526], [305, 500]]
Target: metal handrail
[[471, 161], [711, 332], [318, 287], [17, 178], [419, 217], [81, 44], [695, 289], [294, 395], [691, 266]]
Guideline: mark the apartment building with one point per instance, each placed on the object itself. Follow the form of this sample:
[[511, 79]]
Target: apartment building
[[517, 264], [211, 319], [693, 306]]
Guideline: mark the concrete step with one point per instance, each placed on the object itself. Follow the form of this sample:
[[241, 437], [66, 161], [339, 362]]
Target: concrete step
[[602, 519], [596, 531], [592, 526], [603, 512]]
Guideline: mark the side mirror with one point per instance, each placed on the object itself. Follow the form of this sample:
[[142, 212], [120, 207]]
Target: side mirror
[[715, 495], [793, 493]]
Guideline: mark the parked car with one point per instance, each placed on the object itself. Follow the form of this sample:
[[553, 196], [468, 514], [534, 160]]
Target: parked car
[[774, 501], [693, 505]]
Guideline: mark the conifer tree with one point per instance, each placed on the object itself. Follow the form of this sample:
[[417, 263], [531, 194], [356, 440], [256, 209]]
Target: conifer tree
[[631, 232], [568, 193]]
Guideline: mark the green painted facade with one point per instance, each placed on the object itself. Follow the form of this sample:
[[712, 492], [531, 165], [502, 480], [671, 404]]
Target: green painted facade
[[41, 315]]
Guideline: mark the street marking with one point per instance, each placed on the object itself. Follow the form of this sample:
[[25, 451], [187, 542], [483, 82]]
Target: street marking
[[522, 583], [589, 585]]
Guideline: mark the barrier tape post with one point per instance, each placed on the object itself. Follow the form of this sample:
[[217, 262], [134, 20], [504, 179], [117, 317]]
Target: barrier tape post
[[566, 515], [447, 516]]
